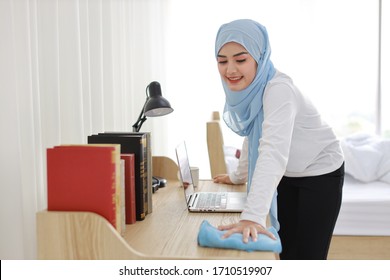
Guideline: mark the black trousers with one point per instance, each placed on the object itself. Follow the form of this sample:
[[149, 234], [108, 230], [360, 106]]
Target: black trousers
[[308, 208]]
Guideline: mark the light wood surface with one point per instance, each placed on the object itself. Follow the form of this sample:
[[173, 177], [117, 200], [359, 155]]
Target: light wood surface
[[347, 247]]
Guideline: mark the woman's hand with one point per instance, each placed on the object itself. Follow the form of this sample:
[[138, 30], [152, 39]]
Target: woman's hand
[[247, 228], [222, 179]]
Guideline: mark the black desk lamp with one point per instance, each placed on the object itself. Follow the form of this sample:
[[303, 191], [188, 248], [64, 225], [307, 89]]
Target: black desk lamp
[[155, 105]]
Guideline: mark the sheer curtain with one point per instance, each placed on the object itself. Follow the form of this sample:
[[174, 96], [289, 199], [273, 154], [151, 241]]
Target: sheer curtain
[[68, 68]]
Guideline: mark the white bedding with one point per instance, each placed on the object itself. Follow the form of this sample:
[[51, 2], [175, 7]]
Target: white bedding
[[365, 209], [367, 157]]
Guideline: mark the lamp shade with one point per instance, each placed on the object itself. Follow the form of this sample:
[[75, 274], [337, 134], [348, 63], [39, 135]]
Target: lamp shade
[[156, 105]]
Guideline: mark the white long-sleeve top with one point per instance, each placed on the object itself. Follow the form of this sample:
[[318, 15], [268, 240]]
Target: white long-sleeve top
[[295, 142]]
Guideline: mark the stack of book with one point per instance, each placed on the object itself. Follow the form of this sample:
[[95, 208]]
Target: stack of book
[[110, 176], [138, 144]]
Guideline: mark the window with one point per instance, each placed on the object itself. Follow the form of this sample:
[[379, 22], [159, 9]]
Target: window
[[385, 70]]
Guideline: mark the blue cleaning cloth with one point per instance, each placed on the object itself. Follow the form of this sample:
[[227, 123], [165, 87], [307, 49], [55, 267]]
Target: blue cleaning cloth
[[210, 236]]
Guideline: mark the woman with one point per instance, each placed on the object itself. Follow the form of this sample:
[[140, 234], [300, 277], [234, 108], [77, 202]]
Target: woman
[[291, 159]]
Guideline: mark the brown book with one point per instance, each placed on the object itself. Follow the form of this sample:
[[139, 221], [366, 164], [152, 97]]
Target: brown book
[[85, 178], [122, 198], [129, 188]]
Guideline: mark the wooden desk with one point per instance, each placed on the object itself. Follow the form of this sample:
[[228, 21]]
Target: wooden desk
[[170, 232]]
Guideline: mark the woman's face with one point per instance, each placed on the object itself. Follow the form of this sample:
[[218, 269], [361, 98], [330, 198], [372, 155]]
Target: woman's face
[[236, 66]]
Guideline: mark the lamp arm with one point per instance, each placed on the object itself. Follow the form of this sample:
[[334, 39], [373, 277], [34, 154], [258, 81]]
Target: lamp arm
[[141, 119], [138, 124]]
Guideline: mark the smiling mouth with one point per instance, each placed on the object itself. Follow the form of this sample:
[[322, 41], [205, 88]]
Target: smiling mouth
[[234, 79]]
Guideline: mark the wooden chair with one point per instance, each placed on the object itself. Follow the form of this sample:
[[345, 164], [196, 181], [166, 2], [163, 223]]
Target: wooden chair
[[215, 146], [165, 167]]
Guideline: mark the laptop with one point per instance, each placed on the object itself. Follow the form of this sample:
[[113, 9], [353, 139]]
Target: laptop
[[205, 201]]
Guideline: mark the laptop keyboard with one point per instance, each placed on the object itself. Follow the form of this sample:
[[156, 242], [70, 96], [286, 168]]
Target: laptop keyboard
[[209, 201]]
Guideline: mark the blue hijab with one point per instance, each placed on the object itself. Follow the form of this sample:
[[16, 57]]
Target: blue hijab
[[243, 112]]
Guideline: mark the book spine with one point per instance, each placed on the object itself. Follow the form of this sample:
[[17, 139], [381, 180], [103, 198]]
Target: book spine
[[143, 167], [122, 197], [133, 217], [117, 187], [149, 172], [129, 188], [141, 203]]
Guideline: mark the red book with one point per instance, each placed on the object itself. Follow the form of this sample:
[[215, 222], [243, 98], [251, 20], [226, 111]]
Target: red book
[[130, 208], [85, 178]]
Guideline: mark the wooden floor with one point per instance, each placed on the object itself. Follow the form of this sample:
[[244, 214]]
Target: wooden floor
[[359, 248]]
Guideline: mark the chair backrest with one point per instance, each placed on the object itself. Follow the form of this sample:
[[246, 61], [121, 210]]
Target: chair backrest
[[215, 146], [165, 167]]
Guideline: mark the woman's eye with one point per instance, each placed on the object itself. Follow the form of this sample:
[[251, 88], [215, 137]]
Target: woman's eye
[[222, 62], [241, 60]]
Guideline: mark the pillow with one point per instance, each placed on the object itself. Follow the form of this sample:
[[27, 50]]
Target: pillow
[[232, 156], [367, 157]]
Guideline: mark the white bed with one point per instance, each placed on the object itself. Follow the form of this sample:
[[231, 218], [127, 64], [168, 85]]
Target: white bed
[[363, 227], [365, 209], [366, 194]]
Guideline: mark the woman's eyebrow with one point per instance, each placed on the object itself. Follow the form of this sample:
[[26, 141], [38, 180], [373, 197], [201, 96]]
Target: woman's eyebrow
[[237, 54]]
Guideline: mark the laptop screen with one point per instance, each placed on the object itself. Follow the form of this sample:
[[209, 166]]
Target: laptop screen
[[185, 170]]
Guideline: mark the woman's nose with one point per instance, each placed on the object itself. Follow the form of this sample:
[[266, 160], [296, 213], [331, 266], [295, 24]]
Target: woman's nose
[[231, 68]]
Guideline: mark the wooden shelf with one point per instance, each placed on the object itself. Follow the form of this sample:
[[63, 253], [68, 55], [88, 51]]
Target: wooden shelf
[[80, 235]]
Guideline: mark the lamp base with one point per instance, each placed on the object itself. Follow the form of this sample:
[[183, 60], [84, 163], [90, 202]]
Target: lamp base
[[158, 182]]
